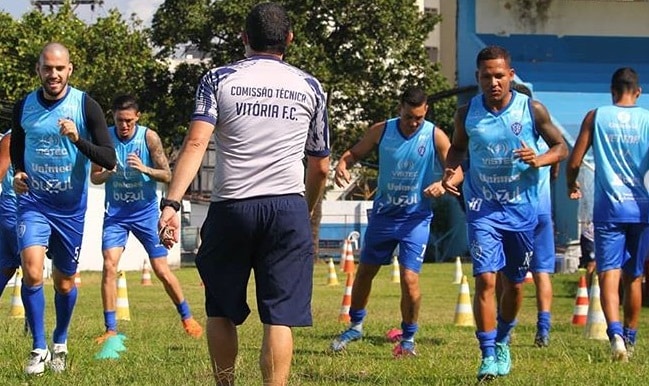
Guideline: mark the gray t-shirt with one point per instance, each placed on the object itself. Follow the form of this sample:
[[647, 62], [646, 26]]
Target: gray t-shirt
[[267, 114]]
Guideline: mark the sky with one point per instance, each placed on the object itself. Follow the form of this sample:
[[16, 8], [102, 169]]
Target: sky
[[143, 8]]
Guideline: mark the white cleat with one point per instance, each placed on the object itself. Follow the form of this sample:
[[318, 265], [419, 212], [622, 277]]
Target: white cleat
[[38, 358], [618, 349], [59, 356]]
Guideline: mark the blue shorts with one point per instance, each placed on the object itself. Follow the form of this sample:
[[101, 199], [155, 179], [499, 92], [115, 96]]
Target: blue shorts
[[9, 253], [384, 234], [544, 257], [270, 236], [60, 233], [621, 245], [144, 228], [494, 250]]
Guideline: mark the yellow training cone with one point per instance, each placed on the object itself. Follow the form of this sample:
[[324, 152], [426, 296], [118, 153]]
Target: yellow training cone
[[17, 309], [396, 276], [332, 278], [596, 323], [463, 310], [122, 312], [458, 271]]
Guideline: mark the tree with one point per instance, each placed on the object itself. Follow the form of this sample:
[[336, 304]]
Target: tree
[[111, 56], [363, 52]]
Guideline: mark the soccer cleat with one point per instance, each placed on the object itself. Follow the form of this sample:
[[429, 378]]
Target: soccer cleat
[[630, 348], [503, 359], [38, 358], [59, 356], [488, 369], [405, 348], [192, 328], [105, 336], [343, 339], [541, 340], [618, 349]]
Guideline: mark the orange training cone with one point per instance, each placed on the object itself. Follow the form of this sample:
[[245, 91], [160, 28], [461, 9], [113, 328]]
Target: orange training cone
[[122, 312], [17, 309], [596, 324], [458, 271], [528, 277], [396, 276], [77, 278], [463, 310], [580, 312], [349, 265], [146, 275], [347, 299], [332, 278]]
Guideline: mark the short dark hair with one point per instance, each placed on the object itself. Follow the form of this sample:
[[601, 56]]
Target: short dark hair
[[625, 80], [414, 96], [493, 52], [267, 28], [125, 102]]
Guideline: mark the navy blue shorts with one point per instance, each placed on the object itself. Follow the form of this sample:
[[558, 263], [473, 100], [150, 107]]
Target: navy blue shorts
[[270, 236]]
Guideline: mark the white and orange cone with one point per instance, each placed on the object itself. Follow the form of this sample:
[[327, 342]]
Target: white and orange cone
[[146, 275], [596, 324], [396, 275], [463, 311], [528, 277], [332, 278], [580, 312], [347, 299], [122, 312], [17, 309], [457, 279], [77, 278], [349, 265]]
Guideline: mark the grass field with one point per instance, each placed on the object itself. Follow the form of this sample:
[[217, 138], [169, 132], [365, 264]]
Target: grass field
[[159, 352]]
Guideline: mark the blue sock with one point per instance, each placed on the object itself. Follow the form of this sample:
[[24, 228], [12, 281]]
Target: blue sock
[[487, 340], [504, 329], [183, 310], [64, 304], [629, 334], [409, 330], [356, 317], [34, 301], [110, 320], [614, 328], [543, 323], [3, 282]]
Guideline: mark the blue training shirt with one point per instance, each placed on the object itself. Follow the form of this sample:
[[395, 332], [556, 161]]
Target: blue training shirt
[[128, 191], [57, 170], [8, 200], [500, 189], [406, 167], [621, 152]]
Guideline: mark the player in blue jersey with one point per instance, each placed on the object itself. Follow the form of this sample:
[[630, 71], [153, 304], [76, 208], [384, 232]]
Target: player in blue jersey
[[499, 129], [619, 136], [57, 130], [132, 207], [408, 147], [265, 114], [9, 254]]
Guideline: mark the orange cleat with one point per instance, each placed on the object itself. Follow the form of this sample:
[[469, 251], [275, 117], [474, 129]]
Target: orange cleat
[[192, 328], [105, 336]]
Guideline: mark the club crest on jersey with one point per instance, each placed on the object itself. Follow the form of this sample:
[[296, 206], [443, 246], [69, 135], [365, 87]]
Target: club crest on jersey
[[421, 150], [516, 128]]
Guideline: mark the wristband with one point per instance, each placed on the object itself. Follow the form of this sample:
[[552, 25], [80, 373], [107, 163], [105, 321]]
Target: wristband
[[175, 205]]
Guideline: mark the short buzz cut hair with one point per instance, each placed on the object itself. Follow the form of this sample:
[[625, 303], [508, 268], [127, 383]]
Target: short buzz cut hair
[[493, 52], [268, 27], [125, 102], [414, 96], [625, 80]]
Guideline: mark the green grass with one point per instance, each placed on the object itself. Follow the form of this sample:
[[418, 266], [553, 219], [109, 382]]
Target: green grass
[[159, 352]]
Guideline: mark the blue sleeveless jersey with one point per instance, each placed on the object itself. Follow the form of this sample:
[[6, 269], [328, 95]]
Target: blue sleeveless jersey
[[405, 170], [8, 201], [500, 189], [620, 149], [57, 170], [129, 191]]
